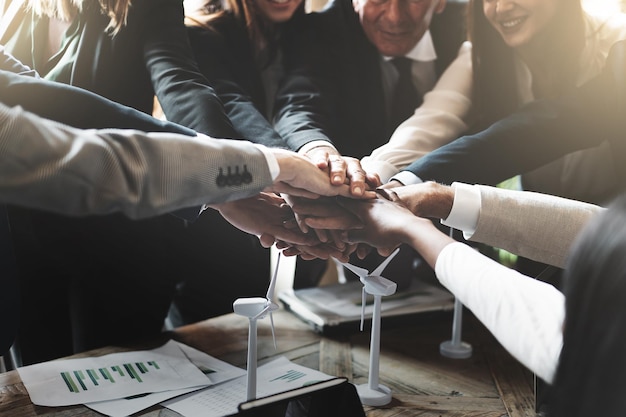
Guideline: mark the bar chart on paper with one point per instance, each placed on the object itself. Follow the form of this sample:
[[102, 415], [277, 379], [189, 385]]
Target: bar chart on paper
[[85, 379], [114, 376]]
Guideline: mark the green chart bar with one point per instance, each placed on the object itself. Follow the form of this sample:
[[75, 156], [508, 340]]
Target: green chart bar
[[93, 376], [69, 382], [75, 380], [290, 376]]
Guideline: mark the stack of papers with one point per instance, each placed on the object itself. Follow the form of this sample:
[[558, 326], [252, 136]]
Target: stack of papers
[[121, 384]]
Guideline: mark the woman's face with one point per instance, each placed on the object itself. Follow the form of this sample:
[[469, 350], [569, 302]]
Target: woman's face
[[277, 11], [519, 21]]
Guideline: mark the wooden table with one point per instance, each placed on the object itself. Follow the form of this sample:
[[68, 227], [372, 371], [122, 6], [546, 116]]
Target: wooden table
[[423, 383]]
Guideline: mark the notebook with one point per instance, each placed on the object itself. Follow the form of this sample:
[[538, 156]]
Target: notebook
[[333, 307]]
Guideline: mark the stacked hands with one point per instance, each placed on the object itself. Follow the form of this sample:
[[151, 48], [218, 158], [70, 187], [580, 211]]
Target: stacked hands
[[325, 205]]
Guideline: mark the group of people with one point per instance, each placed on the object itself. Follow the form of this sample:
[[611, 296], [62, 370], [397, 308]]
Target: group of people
[[359, 113]]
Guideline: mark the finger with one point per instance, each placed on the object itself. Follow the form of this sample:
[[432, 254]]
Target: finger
[[373, 180], [363, 250], [337, 169], [336, 238], [267, 240], [284, 188], [321, 235], [319, 157], [357, 177]]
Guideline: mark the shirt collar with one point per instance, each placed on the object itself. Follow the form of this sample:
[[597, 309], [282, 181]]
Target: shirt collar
[[424, 50]]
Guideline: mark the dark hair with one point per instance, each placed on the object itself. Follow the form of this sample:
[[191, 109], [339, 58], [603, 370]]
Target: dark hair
[[494, 80], [591, 375]]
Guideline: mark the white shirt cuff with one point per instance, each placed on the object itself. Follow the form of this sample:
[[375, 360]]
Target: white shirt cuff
[[272, 163], [314, 144], [406, 178], [465, 209]]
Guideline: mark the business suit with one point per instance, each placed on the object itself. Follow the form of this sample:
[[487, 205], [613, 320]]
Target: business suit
[[80, 108], [149, 56], [145, 259], [333, 90], [226, 58], [81, 172], [537, 226], [333, 85], [586, 118]]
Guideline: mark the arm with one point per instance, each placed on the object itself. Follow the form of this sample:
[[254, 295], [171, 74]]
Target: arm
[[76, 107], [184, 93], [524, 314], [440, 119], [539, 133], [80, 172], [225, 60], [9, 63], [304, 101], [537, 226]]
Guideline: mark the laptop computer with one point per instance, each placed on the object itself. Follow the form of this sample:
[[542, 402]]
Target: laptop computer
[[332, 308]]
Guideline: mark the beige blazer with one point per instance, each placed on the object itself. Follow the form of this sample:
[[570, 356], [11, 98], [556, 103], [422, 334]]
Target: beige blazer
[[537, 226]]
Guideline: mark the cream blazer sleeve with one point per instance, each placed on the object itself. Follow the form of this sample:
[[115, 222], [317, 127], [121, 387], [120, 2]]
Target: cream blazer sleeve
[[50, 166], [538, 226]]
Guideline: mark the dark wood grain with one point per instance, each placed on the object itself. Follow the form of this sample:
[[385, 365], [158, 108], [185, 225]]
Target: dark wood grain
[[489, 384]]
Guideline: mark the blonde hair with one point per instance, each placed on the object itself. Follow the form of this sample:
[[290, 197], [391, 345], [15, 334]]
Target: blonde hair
[[116, 10]]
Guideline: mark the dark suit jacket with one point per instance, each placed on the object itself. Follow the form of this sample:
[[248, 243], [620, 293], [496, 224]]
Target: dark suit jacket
[[76, 107], [333, 88], [525, 140], [225, 57], [151, 54]]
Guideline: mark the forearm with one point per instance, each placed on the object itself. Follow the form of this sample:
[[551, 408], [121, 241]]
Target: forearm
[[76, 107], [426, 239], [52, 167], [524, 314], [526, 140]]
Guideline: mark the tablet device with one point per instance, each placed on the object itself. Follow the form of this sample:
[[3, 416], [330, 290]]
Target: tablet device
[[331, 398]]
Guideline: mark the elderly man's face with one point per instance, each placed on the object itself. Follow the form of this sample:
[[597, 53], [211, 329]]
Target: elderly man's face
[[396, 26]]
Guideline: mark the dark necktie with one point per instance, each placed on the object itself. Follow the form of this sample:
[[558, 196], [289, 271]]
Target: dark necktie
[[405, 98]]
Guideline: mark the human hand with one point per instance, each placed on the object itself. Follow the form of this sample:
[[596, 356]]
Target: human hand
[[384, 223], [266, 216], [428, 199], [300, 177], [389, 223], [342, 169], [327, 213], [321, 251]]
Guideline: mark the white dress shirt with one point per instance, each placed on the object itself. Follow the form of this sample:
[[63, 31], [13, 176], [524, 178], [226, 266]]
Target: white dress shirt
[[525, 315]]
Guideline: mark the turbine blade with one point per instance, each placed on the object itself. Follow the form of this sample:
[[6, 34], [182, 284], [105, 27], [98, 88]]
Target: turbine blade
[[273, 334], [272, 286], [380, 268], [362, 306], [361, 272]]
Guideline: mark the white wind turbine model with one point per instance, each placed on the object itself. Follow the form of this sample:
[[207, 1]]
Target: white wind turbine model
[[373, 393], [256, 308]]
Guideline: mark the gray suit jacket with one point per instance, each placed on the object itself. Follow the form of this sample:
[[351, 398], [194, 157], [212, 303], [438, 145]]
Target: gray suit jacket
[[537, 226], [49, 166]]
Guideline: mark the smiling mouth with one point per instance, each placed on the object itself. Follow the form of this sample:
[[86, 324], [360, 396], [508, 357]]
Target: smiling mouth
[[279, 1], [512, 23]]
